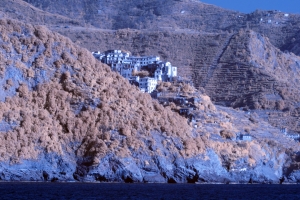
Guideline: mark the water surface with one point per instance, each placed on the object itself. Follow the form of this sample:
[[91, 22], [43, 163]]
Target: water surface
[[145, 191]]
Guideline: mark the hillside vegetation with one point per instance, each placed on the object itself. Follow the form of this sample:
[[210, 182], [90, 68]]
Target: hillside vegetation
[[57, 93], [65, 116]]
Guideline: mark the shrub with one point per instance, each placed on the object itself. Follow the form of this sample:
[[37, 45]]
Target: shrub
[[227, 134]]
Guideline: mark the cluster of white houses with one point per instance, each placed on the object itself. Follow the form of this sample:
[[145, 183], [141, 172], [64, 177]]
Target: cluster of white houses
[[128, 66], [292, 136]]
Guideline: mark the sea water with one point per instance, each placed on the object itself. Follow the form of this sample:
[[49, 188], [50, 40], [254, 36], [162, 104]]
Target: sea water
[[145, 191]]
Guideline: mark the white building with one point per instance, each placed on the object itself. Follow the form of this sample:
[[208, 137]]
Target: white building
[[98, 55], [147, 84], [125, 69], [135, 78], [143, 61], [245, 137], [283, 130], [126, 72], [165, 71], [294, 136], [115, 56]]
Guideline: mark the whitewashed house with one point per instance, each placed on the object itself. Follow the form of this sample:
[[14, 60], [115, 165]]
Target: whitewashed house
[[283, 130], [147, 84], [98, 55], [126, 70], [294, 136], [143, 61], [115, 57], [165, 71], [245, 137]]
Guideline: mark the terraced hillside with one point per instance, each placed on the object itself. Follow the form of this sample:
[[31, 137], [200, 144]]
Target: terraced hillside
[[252, 73]]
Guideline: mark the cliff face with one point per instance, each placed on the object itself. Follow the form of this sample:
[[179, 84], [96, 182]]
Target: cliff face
[[65, 116]]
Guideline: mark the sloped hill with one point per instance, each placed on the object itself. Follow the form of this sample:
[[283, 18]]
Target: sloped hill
[[65, 116], [253, 73], [33, 60], [22, 11], [51, 96], [141, 14], [250, 51], [176, 14], [281, 28], [191, 34]]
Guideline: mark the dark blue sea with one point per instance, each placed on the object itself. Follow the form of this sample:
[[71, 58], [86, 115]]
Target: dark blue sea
[[145, 191]]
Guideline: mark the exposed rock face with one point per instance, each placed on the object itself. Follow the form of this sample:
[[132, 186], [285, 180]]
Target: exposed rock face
[[64, 116]]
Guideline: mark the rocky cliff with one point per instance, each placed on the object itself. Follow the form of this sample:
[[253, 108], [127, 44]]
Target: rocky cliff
[[64, 116]]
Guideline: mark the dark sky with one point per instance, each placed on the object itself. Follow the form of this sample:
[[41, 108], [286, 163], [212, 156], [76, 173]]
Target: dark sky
[[247, 6]]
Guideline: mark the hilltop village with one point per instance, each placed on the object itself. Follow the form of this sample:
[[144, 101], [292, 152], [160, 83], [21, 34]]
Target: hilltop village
[[160, 80], [144, 72]]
